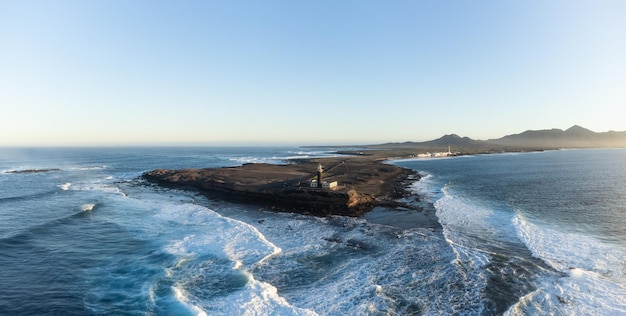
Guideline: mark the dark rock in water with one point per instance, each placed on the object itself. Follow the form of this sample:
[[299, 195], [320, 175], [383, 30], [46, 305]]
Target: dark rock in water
[[362, 184], [357, 244], [333, 239], [33, 170]]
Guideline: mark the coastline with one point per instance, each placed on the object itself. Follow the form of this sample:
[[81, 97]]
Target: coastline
[[364, 183], [369, 185]]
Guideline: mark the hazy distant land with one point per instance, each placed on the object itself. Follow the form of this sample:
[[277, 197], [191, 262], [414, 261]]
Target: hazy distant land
[[531, 140]]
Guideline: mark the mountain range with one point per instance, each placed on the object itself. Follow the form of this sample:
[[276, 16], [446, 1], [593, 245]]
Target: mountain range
[[573, 137]]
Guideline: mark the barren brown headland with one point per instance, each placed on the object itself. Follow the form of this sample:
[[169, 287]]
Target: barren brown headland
[[362, 184]]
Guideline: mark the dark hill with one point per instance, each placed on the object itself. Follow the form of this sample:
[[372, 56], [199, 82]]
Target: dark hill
[[442, 142], [578, 130], [574, 137], [457, 144], [452, 140]]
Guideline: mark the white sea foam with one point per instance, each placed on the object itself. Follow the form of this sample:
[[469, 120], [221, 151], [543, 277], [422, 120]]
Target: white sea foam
[[282, 159], [572, 252], [368, 268], [312, 153], [258, 298], [23, 168], [596, 282], [467, 223], [181, 296], [249, 159], [96, 185], [65, 186], [470, 259], [474, 232], [426, 187], [212, 241], [582, 294], [87, 207], [269, 160], [241, 244], [89, 168]]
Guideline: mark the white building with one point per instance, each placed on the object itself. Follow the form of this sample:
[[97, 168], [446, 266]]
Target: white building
[[325, 184], [436, 155], [329, 185]]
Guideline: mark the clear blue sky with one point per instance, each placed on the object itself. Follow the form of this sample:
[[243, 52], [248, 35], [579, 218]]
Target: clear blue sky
[[306, 72]]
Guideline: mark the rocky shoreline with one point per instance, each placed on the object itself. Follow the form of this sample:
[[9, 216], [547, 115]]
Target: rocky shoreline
[[363, 183]]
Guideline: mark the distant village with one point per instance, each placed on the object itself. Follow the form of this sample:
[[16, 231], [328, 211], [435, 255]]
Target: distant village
[[437, 154]]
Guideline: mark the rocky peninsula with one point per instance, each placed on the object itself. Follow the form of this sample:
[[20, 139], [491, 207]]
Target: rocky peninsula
[[362, 183]]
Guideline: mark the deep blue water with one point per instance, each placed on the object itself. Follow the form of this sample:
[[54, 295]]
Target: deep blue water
[[523, 234]]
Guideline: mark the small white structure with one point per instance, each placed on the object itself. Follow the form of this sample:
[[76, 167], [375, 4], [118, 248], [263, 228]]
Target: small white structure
[[436, 155], [329, 185], [325, 184]]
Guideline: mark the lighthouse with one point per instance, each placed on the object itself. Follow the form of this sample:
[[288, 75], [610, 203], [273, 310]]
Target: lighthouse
[[319, 184], [319, 175]]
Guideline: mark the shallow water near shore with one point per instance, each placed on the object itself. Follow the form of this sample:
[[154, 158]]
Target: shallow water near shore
[[515, 234]]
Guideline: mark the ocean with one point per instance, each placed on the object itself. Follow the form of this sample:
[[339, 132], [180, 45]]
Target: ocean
[[521, 234]]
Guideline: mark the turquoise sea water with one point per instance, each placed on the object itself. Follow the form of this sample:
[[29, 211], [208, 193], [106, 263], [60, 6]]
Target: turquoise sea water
[[523, 234]]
